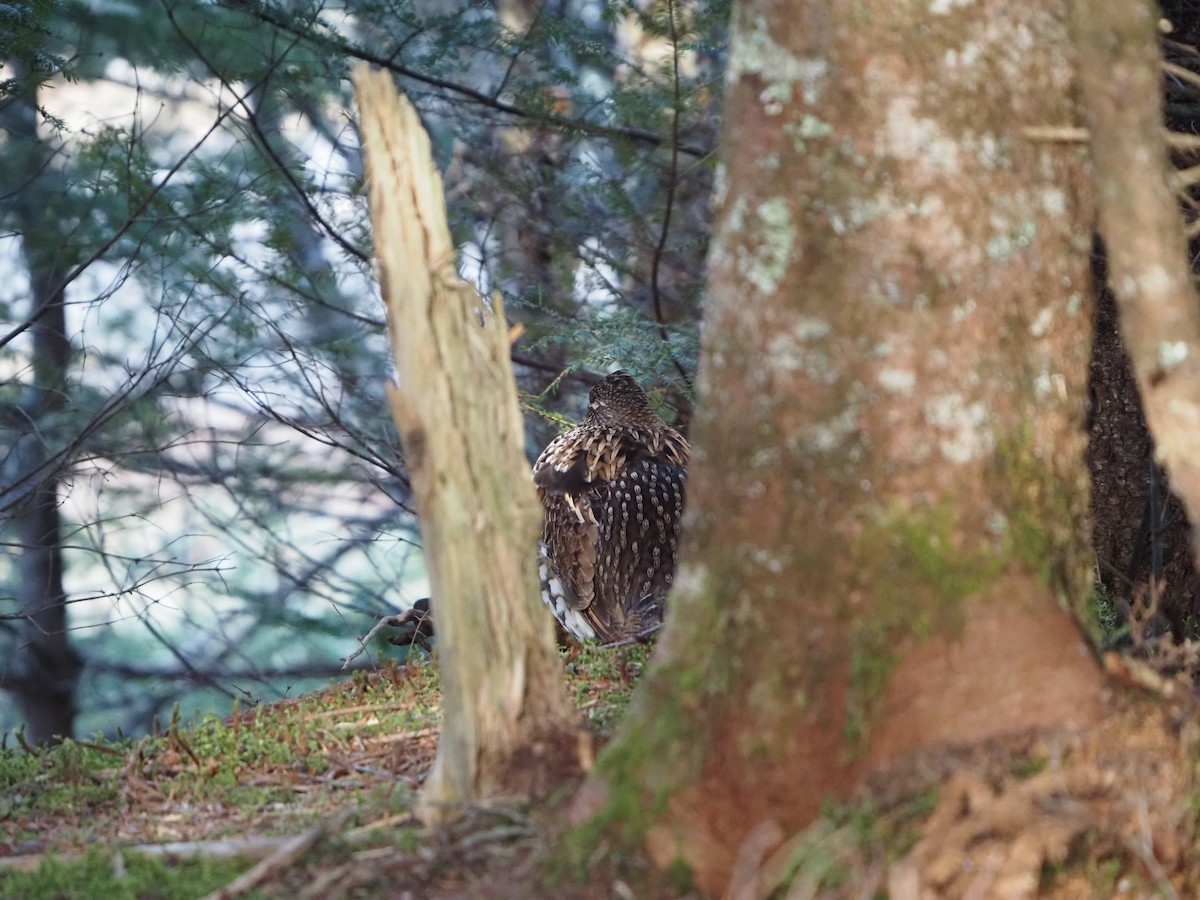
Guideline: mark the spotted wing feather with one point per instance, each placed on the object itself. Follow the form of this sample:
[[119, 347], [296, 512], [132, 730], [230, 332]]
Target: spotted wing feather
[[612, 499]]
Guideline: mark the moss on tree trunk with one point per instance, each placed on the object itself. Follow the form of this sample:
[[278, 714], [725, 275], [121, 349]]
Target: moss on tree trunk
[[887, 509]]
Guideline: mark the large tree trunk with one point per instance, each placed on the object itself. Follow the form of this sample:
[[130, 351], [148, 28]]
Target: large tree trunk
[[888, 506], [508, 726]]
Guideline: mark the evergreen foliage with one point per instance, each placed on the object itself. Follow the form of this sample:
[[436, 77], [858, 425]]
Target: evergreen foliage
[[235, 506]]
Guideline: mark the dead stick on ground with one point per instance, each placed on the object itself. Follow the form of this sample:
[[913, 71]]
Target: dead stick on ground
[[255, 847], [283, 858]]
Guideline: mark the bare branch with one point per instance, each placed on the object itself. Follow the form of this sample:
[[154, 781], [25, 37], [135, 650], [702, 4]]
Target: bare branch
[[489, 101]]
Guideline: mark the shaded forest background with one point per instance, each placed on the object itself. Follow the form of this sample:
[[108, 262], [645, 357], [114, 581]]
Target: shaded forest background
[[202, 497]]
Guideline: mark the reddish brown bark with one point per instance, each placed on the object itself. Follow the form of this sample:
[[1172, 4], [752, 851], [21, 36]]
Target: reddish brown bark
[[888, 501]]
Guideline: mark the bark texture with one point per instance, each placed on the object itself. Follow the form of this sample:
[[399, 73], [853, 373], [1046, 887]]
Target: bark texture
[[42, 669], [508, 726], [888, 501], [1147, 255]]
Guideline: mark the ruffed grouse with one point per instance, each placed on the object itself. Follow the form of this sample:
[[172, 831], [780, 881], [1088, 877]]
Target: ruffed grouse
[[612, 492]]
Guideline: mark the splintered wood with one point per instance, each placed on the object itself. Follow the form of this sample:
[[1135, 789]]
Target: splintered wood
[[456, 407]]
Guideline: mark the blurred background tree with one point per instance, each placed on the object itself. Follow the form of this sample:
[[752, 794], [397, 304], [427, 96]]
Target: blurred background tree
[[202, 497]]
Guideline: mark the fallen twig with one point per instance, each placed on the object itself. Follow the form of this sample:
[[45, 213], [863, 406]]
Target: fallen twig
[[386, 622], [282, 858]]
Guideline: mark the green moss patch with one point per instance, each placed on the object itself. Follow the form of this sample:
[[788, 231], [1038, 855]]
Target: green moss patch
[[114, 876], [918, 577], [72, 816]]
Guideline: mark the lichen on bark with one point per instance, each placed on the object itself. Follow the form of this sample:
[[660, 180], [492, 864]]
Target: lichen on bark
[[886, 506]]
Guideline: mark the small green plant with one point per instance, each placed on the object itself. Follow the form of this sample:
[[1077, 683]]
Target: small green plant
[[120, 877], [603, 680], [1027, 766], [823, 855], [73, 774], [906, 827], [1107, 621], [679, 876]]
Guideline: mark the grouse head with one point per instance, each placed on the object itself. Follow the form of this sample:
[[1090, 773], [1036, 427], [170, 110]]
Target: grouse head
[[619, 400]]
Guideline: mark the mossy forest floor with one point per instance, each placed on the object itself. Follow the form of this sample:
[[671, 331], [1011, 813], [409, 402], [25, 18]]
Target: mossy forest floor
[[309, 797], [312, 798]]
